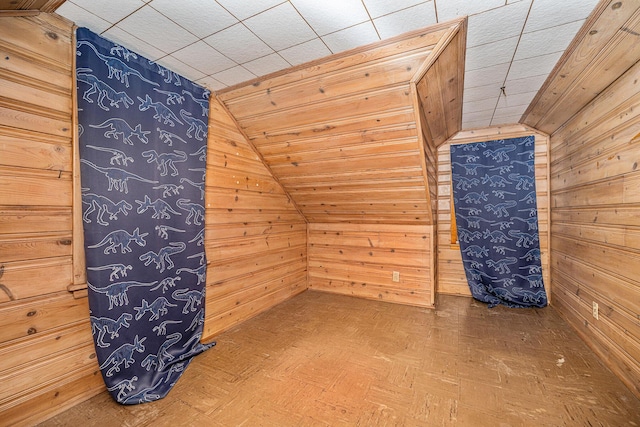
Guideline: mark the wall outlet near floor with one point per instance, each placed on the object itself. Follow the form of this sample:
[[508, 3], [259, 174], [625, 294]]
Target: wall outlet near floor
[[594, 310], [395, 276]]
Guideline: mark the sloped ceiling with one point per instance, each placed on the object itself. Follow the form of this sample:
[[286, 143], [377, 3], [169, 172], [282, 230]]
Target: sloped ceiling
[[606, 46], [343, 135], [512, 44]]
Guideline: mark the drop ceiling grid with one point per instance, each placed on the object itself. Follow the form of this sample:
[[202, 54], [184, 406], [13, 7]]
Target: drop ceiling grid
[[511, 44]]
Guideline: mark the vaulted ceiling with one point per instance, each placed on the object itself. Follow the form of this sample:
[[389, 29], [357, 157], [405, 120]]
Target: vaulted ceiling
[[512, 45]]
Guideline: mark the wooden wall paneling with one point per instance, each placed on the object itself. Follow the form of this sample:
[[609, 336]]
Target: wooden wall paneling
[[595, 194], [23, 6], [437, 90], [361, 77], [340, 133], [54, 398], [412, 41], [387, 98], [359, 260], [332, 128], [440, 88], [604, 48], [426, 147], [451, 276], [45, 336], [255, 236]]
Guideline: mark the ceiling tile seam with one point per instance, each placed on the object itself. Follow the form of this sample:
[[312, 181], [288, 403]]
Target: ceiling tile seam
[[351, 26], [166, 54], [150, 4], [255, 14], [111, 24], [506, 77], [552, 26], [312, 29], [370, 19], [191, 44], [202, 39]]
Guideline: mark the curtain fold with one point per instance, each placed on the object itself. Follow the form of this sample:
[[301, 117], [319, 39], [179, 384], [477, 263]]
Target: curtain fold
[[143, 133], [494, 194]]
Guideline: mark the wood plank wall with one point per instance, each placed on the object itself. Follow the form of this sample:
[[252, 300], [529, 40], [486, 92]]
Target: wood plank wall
[[595, 212], [451, 277], [590, 105], [360, 260], [255, 238], [340, 134], [46, 347]]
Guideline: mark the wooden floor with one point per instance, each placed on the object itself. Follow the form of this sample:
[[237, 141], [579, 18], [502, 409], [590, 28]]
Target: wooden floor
[[327, 360]]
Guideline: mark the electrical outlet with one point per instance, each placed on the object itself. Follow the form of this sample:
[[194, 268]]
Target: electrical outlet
[[594, 310], [396, 276]]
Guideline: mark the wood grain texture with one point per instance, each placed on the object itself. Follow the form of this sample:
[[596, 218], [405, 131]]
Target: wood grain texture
[[605, 47], [359, 260], [45, 337], [451, 276], [323, 359], [30, 5], [595, 191], [340, 133], [255, 238]]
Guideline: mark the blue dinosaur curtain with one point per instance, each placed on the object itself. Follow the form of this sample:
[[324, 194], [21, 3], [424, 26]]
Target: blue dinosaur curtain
[[143, 134], [494, 197]]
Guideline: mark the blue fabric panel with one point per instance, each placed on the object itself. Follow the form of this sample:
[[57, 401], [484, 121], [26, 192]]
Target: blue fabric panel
[[143, 141], [494, 195]]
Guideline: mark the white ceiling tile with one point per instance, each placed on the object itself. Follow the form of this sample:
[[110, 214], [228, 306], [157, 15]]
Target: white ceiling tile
[[480, 105], [515, 99], [378, 8], [503, 120], [204, 58], [82, 18], [211, 83], [550, 13], [202, 17], [536, 66], [292, 27], [550, 40], [151, 26], [233, 76], [479, 115], [327, 16], [280, 27], [497, 24], [305, 52], [478, 93], [112, 10], [266, 64], [119, 36], [351, 37], [510, 111], [243, 9], [486, 76], [181, 68], [470, 124], [527, 84], [412, 18], [491, 53], [239, 44], [451, 9]]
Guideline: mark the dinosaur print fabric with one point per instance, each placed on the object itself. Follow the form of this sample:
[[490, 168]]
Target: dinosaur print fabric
[[143, 135], [494, 196]]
